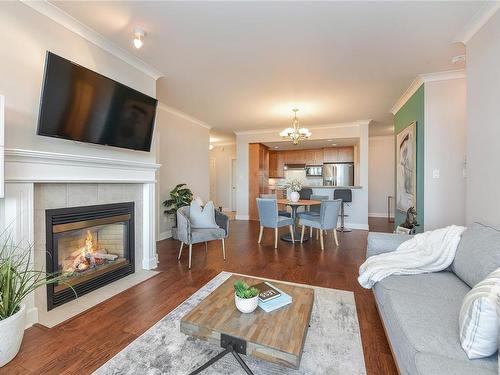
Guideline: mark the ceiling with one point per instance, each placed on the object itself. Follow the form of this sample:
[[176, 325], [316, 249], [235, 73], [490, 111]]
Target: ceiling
[[244, 65], [314, 143]]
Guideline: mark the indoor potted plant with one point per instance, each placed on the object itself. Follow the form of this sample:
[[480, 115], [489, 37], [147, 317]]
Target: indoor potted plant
[[246, 297], [17, 280], [295, 186], [180, 196]]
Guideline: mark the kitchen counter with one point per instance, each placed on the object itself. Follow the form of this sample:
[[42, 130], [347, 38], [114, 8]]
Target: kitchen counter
[[332, 187]]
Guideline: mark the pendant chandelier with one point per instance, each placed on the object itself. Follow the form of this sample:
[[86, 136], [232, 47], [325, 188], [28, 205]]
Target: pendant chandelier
[[294, 133]]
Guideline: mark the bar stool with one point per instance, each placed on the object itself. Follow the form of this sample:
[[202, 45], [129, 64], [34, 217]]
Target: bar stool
[[346, 196]]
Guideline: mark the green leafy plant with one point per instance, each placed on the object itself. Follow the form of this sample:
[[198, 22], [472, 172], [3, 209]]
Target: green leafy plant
[[17, 278], [180, 196], [244, 291]]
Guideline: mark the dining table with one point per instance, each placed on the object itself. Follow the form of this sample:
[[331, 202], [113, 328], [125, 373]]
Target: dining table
[[294, 206]]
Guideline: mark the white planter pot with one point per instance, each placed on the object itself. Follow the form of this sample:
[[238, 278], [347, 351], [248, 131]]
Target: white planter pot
[[246, 305], [294, 196], [11, 333]]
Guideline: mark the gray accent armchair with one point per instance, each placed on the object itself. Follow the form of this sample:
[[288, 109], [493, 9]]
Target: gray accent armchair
[[269, 218], [327, 219], [190, 236]]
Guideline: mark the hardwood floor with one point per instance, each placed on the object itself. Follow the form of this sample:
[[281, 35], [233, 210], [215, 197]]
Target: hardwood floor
[[84, 343]]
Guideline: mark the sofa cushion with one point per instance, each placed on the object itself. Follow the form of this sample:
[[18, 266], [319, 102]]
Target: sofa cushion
[[478, 318], [478, 254], [379, 243], [418, 323], [427, 363], [439, 284], [202, 235]]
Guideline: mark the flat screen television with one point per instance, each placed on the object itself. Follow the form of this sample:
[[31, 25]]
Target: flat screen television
[[81, 105]]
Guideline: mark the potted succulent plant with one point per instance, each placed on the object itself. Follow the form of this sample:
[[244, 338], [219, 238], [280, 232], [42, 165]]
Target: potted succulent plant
[[17, 280], [246, 298], [295, 186]]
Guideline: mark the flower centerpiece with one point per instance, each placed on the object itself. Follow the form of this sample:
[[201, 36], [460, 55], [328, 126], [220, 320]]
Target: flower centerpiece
[[295, 186], [246, 297]]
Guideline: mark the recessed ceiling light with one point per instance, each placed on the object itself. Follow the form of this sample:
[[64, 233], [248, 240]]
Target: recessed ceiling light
[[138, 37], [276, 147], [334, 144], [329, 140]]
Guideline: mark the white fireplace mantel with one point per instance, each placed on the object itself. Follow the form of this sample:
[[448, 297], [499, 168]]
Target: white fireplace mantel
[[25, 168], [42, 166]]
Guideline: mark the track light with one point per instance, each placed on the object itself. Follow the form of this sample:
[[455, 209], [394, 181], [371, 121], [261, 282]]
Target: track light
[[138, 38]]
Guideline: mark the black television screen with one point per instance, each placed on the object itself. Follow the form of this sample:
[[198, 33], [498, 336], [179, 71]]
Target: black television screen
[[82, 105]]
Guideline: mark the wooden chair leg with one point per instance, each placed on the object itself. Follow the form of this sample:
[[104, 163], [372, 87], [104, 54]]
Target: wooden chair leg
[[302, 234], [260, 233], [223, 249], [190, 252], [292, 233], [206, 247], [317, 233], [275, 238], [336, 238], [180, 251], [311, 232], [321, 241]]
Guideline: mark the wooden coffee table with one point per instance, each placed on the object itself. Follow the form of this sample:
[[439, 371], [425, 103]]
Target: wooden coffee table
[[277, 336]]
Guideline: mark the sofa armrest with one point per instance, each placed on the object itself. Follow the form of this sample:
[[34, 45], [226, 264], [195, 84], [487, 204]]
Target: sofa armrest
[[379, 243], [222, 221]]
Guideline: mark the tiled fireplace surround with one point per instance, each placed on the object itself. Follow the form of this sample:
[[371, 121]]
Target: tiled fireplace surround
[[36, 181]]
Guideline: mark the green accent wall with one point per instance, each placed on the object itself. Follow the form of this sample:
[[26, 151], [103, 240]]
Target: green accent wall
[[413, 110]]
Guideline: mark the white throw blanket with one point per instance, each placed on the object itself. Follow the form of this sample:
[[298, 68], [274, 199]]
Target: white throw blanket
[[425, 252]]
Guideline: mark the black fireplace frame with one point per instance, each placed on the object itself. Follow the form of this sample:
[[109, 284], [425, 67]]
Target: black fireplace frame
[[77, 214]]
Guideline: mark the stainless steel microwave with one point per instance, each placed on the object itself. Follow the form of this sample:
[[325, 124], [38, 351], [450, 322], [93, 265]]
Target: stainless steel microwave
[[314, 170]]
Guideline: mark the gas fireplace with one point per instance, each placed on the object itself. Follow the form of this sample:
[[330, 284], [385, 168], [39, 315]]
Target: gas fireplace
[[92, 245]]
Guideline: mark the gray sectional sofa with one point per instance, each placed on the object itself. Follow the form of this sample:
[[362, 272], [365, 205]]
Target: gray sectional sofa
[[420, 312]]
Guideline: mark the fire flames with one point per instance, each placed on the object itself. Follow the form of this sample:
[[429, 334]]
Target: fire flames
[[87, 257]]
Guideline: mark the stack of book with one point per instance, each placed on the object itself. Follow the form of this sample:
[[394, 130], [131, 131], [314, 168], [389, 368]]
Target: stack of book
[[272, 298]]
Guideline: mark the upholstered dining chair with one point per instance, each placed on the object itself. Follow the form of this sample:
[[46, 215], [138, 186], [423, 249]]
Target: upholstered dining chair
[[269, 218], [190, 236], [274, 196], [314, 210], [327, 219]]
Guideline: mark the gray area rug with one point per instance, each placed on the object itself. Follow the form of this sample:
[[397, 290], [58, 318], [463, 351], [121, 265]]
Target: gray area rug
[[333, 343]]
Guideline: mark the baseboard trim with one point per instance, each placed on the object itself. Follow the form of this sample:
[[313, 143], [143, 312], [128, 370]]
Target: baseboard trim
[[357, 226], [165, 235], [149, 264], [242, 217], [377, 214], [31, 317]]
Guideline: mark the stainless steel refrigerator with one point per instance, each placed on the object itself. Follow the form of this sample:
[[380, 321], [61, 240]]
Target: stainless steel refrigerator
[[338, 174]]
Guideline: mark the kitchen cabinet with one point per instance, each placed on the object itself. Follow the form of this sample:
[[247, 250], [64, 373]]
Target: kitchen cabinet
[[276, 164], [258, 174], [330, 154], [345, 154]]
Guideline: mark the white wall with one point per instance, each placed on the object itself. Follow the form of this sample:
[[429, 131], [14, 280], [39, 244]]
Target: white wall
[[359, 208], [184, 158], [483, 125], [26, 36], [444, 140], [380, 174], [223, 156]]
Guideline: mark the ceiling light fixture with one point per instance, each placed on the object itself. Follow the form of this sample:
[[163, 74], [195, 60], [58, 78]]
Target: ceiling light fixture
[[210, 147], [294, 133], [138, 37]]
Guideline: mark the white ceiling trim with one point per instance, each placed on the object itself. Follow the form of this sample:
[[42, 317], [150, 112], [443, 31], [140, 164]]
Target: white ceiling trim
[[443, 76], [64, 19], [424, 78], [215, 144], [324, 126], [183, 115], [477, 21], [417, 82]]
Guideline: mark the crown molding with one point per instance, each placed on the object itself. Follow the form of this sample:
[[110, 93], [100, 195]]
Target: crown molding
[[320, 126], [414, 86], [477, 21], [183, 115], [443, 76], [223, 144], [64, 19], [425, 78]]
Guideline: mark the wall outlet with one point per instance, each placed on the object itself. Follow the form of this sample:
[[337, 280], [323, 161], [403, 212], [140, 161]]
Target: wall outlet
[[435, 173]]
